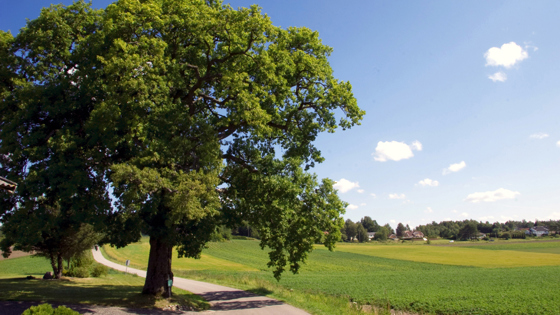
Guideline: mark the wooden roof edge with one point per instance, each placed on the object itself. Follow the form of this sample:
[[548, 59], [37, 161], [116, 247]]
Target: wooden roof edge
[[8, 181]]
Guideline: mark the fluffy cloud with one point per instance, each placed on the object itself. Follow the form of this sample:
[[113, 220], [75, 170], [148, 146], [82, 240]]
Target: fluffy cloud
[[396, 196], [362, 204], [507, 55], [558, 144], [540, 135], [373, 195], [428, 210], [498, 76], [464, 214], [352, 207], [416, 145], [454, 168], [345, 185], [395, 151], [361, 191], [491, 196], [429, 182]]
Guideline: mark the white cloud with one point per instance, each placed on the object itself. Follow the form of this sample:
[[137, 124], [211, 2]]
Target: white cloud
[[392, 221], [507, 55], [558, 144], [539, 135], [464, 214], [396, 196], [429, 182], [352, 207], [361, 191], [498, 76], [454, 168], [344, 185], [362, 204], [454, 211], [373, 195], [416, 145], [395, 151], [428, 210], [491, 196]]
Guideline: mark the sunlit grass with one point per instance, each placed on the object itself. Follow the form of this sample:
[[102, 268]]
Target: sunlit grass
[[138, 256], [460, 256]]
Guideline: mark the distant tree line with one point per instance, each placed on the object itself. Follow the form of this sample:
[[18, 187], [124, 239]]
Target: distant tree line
[[468, 229]]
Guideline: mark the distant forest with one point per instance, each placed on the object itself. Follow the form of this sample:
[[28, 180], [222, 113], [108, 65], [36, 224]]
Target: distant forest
[[466, 229], [451, 229]]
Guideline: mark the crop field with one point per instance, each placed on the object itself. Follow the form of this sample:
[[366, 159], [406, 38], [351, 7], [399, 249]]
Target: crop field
[[500, 278]]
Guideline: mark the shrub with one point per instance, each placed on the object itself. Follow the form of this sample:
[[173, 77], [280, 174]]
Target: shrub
[[99, 270], [78, 272], [47, 309]]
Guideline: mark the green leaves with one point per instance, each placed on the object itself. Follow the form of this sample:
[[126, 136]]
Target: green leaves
[[193, 114]]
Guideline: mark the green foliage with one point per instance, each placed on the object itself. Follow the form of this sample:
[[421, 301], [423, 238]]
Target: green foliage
[[166, 101], [382, 234], [361, 233], [468, 232], [221, 234], [99, 270], [350, 230], [369, 224], [80, 266], [47, 309]]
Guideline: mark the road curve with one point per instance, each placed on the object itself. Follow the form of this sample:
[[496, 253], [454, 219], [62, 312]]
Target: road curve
[[223, 300]]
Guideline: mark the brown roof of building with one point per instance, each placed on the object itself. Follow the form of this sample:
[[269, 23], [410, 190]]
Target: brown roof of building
[[7, 185]]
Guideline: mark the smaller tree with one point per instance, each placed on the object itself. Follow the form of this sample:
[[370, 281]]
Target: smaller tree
[[49, 234], [467, 232], [369, 224], [381, 234], [350, 229], [361, 233], [389, 229], [400, 229]]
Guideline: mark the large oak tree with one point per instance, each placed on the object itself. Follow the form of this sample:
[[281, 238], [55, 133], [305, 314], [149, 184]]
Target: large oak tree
[[191, 113]]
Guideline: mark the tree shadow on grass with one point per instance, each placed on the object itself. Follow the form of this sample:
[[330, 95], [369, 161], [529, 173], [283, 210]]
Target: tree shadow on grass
[[21, 293]]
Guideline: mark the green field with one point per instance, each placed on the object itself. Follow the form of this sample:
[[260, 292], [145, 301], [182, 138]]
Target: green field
[[501, 278], [114, 289]]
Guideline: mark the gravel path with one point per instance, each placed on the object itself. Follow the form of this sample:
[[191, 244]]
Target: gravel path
[[223, 300]]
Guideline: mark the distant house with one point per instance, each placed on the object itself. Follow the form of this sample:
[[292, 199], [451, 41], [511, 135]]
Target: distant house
[[393, 237], [371, 235], [412, 235], [407, 234], [7, 185], [480, 235], [537, 231]]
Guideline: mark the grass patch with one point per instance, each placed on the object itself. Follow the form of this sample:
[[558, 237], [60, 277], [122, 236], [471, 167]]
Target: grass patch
[[115, 289]]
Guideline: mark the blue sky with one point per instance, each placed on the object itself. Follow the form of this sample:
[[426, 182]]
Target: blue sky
[[462, 103]]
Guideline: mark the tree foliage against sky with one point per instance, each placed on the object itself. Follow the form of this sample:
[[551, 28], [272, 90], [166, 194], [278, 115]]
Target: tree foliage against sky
[[194, 113]]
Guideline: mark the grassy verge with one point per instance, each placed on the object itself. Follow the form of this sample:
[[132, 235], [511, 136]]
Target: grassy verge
[[115, 289]]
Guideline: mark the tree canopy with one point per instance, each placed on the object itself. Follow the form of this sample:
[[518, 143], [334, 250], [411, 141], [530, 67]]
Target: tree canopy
[[193, 114]]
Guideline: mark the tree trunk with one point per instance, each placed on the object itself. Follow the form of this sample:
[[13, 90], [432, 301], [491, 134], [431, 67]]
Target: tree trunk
[[53, 264], [58, 274], [159, 267]]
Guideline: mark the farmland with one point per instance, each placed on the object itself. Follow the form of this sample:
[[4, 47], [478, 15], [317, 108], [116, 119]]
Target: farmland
[[501, 278]]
